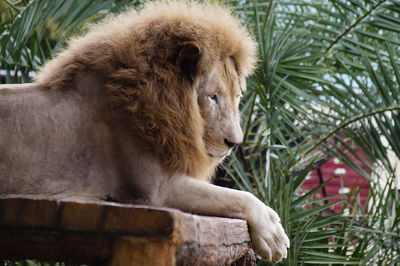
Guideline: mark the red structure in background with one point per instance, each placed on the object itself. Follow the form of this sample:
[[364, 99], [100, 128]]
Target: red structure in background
[[345, 179]]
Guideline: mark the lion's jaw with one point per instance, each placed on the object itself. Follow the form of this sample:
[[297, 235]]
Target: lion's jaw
[[218, 98]]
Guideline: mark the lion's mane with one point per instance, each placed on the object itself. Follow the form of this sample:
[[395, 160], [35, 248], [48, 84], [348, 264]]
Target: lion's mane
[[135, 53]]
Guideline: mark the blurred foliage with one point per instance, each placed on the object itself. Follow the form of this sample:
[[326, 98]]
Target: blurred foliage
[[328, 81], [32, 31]]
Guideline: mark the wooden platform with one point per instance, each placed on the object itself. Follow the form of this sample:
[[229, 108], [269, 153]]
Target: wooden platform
[[116, 234]]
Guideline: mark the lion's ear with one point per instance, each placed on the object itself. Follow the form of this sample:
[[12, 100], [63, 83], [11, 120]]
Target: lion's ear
[[188, 58]]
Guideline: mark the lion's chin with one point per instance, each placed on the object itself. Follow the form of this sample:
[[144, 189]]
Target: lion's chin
[[219, 156], [216, 160]]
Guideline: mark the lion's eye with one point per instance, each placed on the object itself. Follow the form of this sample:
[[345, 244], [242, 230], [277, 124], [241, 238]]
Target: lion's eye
[[214, 98]]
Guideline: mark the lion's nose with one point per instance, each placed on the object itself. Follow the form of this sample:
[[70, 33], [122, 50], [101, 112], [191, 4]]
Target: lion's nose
[[230, 143]]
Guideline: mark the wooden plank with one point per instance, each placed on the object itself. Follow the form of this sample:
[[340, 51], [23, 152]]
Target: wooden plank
[[55, 245], [118, 234], [84, 216]]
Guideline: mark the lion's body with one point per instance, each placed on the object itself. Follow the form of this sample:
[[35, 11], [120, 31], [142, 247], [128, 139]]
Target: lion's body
[[141, 109], [51, 145], [68, 147]]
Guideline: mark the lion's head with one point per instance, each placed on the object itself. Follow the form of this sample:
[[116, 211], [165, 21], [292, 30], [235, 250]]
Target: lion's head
[[176, 71]]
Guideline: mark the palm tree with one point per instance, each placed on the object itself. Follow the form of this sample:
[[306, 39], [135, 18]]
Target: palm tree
[[328, 81], [329, 70]]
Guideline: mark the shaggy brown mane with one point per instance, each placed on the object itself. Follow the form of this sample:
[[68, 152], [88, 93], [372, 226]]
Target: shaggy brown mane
[[136, 54]]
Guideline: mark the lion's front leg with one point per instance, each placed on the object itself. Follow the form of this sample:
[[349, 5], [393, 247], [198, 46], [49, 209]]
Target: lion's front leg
[[268, 237]]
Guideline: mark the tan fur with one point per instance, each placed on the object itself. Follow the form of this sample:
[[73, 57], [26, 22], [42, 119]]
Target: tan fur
[[136, 54]]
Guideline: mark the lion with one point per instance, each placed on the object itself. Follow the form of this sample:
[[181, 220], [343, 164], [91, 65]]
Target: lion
[[140, 109]]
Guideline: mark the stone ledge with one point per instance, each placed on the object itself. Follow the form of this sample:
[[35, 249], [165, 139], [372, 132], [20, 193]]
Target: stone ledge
[[118, 234]]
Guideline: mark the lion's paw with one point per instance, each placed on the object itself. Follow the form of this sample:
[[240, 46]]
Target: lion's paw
[[267, 235]]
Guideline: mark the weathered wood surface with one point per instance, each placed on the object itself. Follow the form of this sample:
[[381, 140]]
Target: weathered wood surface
[[117, 234]]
